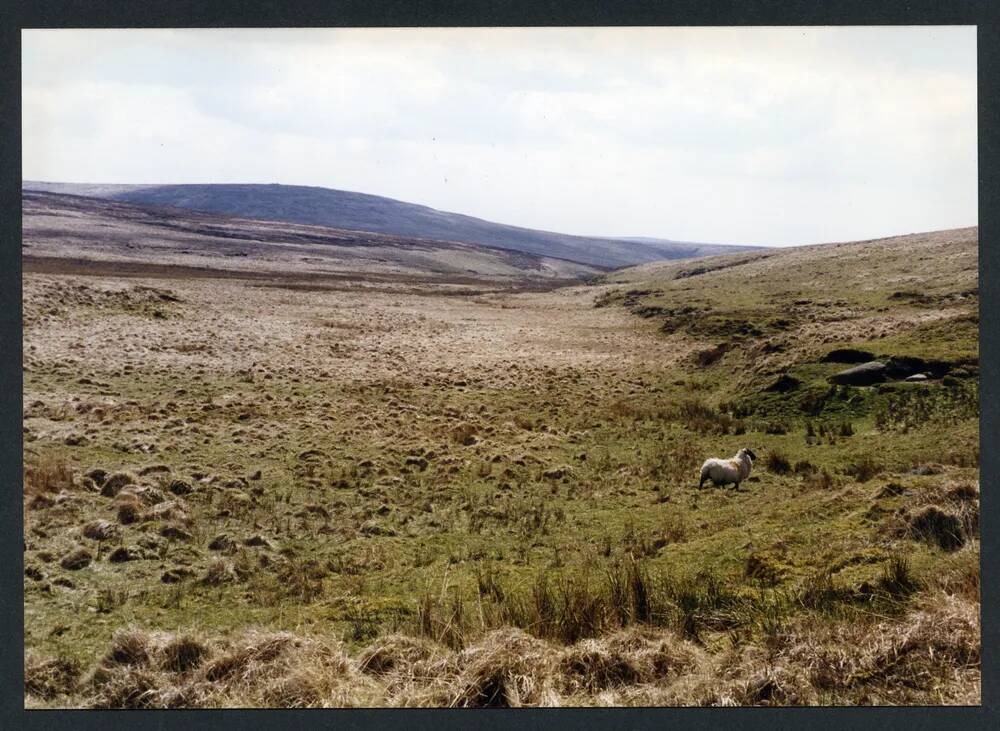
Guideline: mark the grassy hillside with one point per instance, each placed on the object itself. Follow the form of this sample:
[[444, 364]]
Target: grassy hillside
[[758, 317], [239, 494], [362, 212]]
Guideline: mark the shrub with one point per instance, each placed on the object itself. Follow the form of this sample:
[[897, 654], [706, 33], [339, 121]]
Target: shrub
[[488, 583], [698, 417], [629, 591], [759, 568], [821, 593]]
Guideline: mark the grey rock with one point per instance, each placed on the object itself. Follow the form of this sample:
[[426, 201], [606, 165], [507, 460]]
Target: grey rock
[[865, 374]]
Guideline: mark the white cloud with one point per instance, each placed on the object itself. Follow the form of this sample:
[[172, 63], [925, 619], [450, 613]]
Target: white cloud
[[745, 134]]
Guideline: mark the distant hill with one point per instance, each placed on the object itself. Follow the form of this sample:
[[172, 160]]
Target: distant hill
[[65, 228], [689, 249], [362, 212]]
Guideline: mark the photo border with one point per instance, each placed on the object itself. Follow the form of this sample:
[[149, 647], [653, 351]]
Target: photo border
[[312, 13]]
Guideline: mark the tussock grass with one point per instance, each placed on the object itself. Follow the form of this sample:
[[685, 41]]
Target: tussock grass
[[506, 669], [778, 462], [47, 474], [49, 678], [938, 526], [863, 659]]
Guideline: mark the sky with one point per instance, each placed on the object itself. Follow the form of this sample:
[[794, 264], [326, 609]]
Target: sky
[[774, 136]]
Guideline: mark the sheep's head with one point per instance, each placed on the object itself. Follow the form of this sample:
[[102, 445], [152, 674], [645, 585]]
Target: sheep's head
[[749, 453]]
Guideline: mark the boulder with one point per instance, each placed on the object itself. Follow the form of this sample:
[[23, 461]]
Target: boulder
[[865, 374], [916, 378], [903, 366], [848, 355]]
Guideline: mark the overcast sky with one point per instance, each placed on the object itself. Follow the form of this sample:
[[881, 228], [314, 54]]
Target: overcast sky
[[742, 135]]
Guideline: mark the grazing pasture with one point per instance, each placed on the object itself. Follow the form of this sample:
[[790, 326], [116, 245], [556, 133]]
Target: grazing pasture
[[393, 490]]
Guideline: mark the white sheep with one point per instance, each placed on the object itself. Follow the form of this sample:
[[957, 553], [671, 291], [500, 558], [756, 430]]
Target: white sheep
[[725, 471]]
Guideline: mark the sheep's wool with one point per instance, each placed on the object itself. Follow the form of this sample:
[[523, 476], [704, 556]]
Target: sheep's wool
[[726, 471]]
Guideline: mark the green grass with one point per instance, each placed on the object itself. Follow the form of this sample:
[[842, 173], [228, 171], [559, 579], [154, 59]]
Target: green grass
[[637, 485]]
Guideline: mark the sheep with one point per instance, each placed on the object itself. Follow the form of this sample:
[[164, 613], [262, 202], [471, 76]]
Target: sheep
[[725, 471]]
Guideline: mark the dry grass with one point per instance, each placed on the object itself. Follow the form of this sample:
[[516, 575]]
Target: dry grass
[[183, 653], [506, 669], [634, 656], [46, 475], [50, 678], [160, 670], [929, 655]]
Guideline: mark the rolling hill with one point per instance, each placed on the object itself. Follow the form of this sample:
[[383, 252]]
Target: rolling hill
[[66, 227], [362, 212], [773, 327]]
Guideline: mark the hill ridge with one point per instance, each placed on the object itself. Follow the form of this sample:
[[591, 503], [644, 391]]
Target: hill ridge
[[317, 205]]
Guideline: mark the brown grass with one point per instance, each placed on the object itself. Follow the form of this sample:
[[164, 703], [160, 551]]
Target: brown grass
[[929, 655], [49, 678], [183, 653], [46, 475], [396, 653], [129, 510], [506, 669]]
